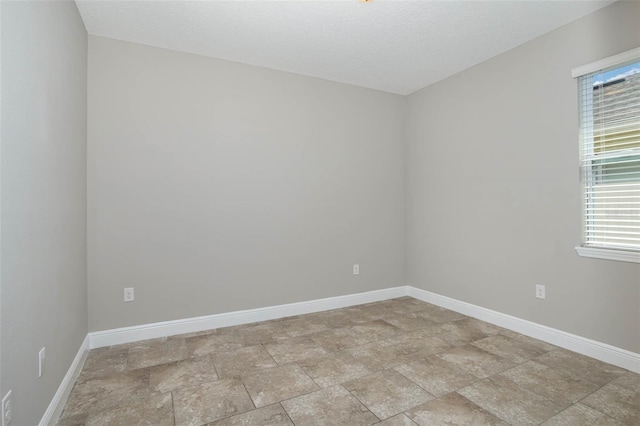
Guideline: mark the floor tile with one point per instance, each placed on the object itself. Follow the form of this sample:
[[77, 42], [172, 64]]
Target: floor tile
[[333, 369], [510, 402], [387, 393], [242, 361], [476, 361], [272, 415], [277, 384], [147, 342], [76, 420], [335, 318], [194, 334], [392, 307], [104, 361], [210, 401], [377, 356], [213, 342], [298, 327], [575, 365], [465, 331], [294, 349], [401, 357], [155, 353], [365, 313], [439, 315], [338, 339], [538, 344], [581, 415], [418, 343], [547, 382], [516, 351], [102, 392], [410, 322], [328, 407], [619, 402], [392, 352], [399, 420], [151, 410], [257, 334], [358, 315], [453, 409], [411, 301], [376, 330], [481, 326], [628, 380], [180, 374], [436, 376]]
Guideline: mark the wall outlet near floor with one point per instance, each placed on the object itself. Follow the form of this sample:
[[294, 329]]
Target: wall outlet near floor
[[356, 269], [7, 409], [128, 294], [41, 356], [540, 291]]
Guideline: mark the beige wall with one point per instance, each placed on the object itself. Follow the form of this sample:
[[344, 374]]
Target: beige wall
[[44, 285], [216, 186], [493, 196]]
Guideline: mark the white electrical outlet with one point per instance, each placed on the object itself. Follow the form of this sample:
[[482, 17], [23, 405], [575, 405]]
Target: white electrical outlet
[[356, 269], [540, 291], [41, 356], [7, 409], [128, 294]]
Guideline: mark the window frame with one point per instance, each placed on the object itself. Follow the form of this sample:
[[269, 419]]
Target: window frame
[[617, 254]]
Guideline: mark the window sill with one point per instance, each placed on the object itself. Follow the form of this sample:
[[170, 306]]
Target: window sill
[[609, 254]]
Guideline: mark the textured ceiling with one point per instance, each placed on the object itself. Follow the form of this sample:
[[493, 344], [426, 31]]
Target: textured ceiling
[[394, 46]]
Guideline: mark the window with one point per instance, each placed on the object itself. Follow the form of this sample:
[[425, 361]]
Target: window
[[610, 157]]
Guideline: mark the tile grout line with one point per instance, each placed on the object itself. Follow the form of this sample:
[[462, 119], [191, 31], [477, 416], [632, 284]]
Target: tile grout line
[[362, 403], [255, 407], [173, 409], [286, 413], [596, 409]]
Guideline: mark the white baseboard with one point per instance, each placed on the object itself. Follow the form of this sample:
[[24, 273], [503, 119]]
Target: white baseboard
[[582, 345], [118, 336], [601, 351], [59, 400]]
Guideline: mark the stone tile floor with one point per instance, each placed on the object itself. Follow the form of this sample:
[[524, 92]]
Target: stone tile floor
[[396, 362]]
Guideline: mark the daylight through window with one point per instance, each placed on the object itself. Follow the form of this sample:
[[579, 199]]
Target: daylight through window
[[610, 156]]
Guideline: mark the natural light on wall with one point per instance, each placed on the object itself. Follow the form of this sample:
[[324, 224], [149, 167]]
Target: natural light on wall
[[610, 156]]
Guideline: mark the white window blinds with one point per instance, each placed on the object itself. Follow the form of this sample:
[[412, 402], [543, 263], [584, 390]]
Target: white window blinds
[[610, 156]]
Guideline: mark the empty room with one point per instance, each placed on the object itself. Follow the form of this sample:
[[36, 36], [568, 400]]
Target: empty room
[[320, 212]]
